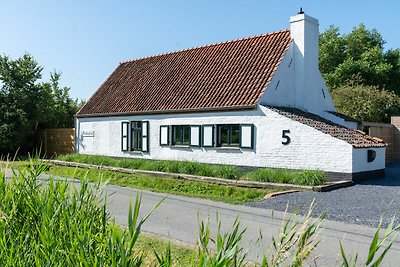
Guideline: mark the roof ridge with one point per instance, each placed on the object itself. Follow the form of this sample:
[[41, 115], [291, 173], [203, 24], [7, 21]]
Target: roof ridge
[[204, 46]]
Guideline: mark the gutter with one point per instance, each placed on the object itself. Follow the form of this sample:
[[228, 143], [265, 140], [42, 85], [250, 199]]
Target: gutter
[[166, 112]]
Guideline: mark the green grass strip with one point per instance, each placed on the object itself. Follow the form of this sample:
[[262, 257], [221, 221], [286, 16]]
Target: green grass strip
[[224, 193], [297, 177]]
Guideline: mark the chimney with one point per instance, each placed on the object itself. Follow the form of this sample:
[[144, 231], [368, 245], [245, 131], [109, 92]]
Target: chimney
[[305, 33]]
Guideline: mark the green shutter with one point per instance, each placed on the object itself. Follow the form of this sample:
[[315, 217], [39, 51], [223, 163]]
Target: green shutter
[[124, 136]]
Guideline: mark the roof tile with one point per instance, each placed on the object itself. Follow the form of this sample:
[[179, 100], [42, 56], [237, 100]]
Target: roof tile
[[223, 75], [356, 138]]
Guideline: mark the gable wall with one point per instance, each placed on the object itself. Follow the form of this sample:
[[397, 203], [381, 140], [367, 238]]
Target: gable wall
[[309, 148]]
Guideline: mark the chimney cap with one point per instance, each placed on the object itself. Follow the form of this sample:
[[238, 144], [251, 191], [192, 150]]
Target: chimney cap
[[301, 11]]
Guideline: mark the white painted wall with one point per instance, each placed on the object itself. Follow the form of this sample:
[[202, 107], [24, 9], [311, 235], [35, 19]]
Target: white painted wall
[[297, 81], [309, 148], [360, 162]]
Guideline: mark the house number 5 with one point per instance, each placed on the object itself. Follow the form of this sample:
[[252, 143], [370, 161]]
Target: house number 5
[[286, 137]]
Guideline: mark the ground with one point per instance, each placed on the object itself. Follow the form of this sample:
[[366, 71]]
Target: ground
[[362, 203]]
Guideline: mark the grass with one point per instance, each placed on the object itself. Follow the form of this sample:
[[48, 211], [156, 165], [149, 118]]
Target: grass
[[173, 166], [228, 194], [298, 177], [50, 223], [148, 244]]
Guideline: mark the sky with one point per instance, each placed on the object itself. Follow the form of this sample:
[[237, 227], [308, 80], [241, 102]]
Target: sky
[[86, 40]]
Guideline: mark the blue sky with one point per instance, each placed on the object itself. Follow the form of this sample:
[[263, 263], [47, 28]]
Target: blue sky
[[86, 40]]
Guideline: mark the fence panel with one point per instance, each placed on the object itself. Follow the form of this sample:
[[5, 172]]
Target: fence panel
[[58, 141]]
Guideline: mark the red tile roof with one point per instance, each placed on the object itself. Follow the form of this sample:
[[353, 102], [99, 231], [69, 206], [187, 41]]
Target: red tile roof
[[231, 74], [356, 138]]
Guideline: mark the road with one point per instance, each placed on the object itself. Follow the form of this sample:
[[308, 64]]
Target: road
[[177, 218]]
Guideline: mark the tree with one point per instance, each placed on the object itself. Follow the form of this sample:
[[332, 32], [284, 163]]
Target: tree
[[28, 104], [358, 54], [366, 103]]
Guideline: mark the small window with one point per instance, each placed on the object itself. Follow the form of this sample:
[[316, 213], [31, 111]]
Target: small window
[[228, 135], [136, 136], [180, 134]]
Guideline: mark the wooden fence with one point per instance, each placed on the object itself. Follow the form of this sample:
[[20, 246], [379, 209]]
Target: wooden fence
[[389, 133], [58, 141]]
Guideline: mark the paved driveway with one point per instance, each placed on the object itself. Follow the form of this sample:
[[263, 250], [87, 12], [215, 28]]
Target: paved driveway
[[363, 203]]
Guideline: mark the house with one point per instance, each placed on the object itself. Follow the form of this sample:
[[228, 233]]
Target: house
[[258, 101]]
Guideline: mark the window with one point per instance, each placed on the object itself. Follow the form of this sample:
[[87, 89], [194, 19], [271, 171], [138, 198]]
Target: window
[[180, 135], [136, 135], [228, 135]]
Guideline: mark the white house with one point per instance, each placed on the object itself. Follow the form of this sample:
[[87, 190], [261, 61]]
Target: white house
[[258, 101]]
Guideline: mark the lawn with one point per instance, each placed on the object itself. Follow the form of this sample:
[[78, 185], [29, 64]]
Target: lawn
[[297, 177], [224, 193]]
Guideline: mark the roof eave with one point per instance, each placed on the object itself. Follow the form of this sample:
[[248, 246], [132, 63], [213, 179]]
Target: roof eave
[[155, 112]]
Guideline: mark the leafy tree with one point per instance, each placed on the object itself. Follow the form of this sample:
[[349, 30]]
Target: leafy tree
[[28, 104], [366, 103], [358, 54]]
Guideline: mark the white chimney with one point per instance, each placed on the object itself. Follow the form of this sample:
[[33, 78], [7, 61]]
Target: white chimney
[[304, 32]]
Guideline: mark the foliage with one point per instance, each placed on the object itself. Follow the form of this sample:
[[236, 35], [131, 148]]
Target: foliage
[[55, 225], [375, 246], [299, 177], [227, 250], [172, 166], [296, 241], [366, 103], [28, 104], [358, 55], [229, 194]]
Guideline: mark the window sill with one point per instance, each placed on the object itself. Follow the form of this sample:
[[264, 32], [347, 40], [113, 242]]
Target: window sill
[[180, 146], [135, 152], [227, 148]]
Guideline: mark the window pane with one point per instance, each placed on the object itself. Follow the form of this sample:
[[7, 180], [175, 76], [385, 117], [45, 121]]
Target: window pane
[[181, 134], [177, 135], [224, 135], [138, 139], [235, 134], [136, 135], [186, 135]]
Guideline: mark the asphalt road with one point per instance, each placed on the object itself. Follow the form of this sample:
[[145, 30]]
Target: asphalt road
[[177, 218]]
